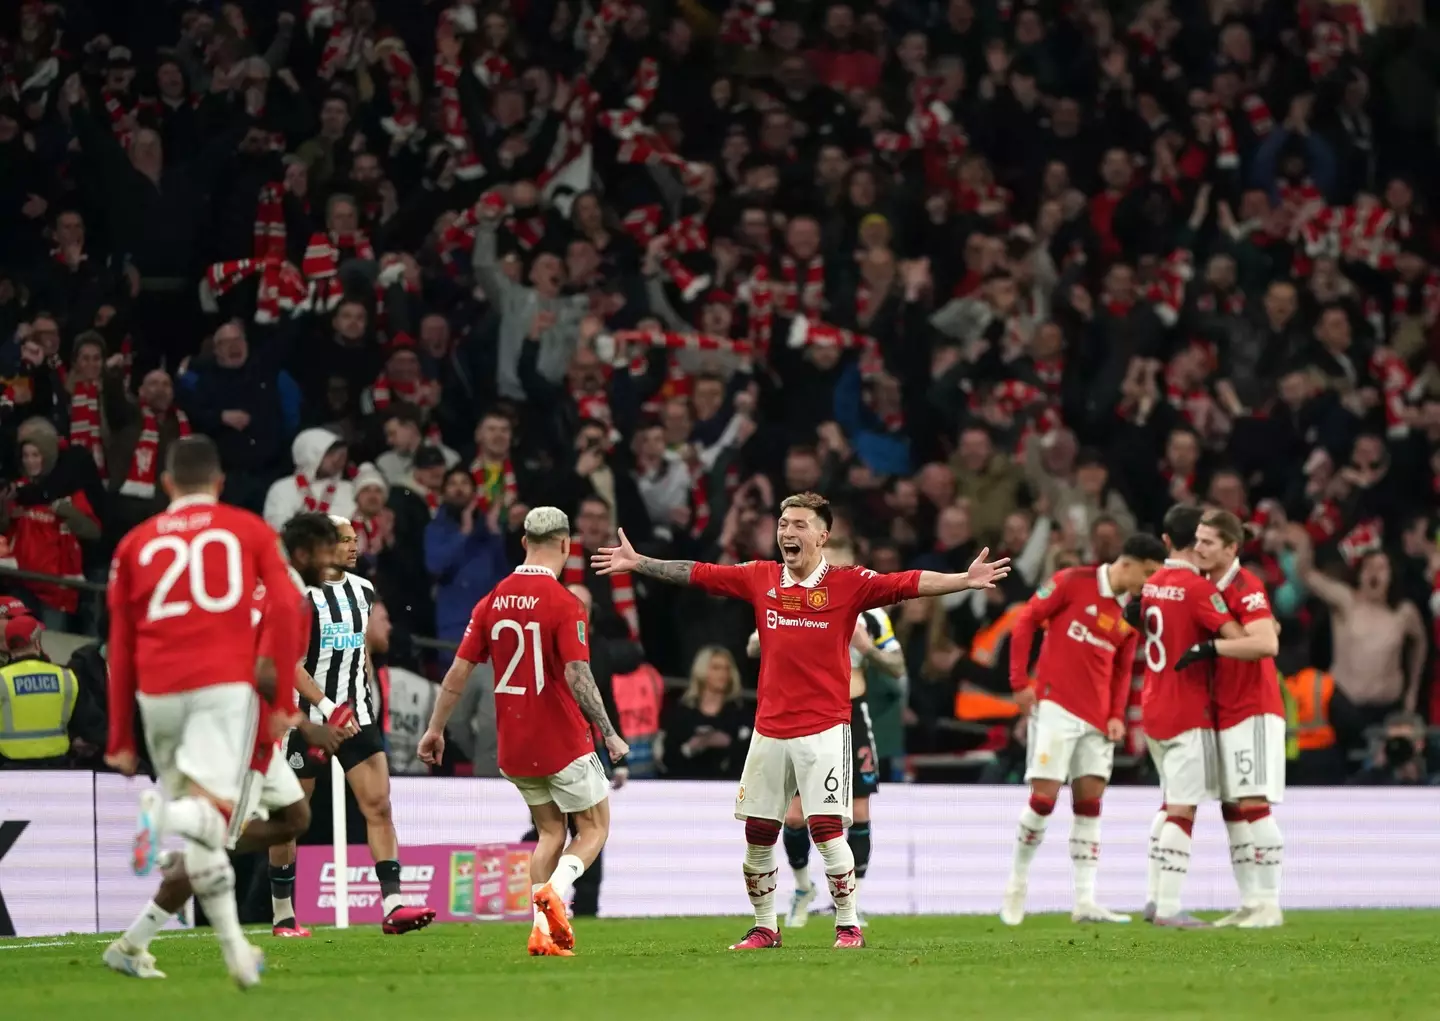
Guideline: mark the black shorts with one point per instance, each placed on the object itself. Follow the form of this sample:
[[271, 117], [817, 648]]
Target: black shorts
[[352, 751], [865, 766]]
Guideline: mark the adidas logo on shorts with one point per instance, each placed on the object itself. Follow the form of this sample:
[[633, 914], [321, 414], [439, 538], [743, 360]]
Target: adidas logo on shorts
[[830, 800]]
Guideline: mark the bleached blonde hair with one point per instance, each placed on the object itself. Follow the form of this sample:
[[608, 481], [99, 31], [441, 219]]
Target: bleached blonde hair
[[546, 524]]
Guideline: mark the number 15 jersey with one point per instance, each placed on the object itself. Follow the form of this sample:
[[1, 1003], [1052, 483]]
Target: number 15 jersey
[[528, 628]]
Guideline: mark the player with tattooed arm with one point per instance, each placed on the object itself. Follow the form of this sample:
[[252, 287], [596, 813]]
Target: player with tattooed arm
[[545, 700], [805, 611]]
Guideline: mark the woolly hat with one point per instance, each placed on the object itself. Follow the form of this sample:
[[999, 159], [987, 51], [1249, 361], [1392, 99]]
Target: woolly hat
[[368, 475]]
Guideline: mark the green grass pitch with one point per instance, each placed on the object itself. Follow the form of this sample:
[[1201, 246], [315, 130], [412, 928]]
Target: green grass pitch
[[1362, 965]]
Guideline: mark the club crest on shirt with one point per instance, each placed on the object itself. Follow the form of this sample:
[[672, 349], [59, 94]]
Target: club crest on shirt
[[1105, 622], [790, 602], [818, 598]]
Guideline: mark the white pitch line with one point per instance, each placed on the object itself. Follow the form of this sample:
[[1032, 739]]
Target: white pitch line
[[27, 946], [183, 934]]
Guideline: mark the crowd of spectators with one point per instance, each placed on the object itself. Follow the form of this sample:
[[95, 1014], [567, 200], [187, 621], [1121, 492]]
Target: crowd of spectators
[[983, 272]]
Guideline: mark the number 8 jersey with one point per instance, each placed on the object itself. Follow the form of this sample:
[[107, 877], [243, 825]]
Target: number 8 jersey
[[1178, 609], [528, 628], [180, 597]]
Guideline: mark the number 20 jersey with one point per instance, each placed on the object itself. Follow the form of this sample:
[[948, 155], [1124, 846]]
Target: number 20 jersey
[[528, 628], [181, 592]]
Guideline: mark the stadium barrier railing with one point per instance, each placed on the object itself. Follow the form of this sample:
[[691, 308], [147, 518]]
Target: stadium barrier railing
[[940, 849]]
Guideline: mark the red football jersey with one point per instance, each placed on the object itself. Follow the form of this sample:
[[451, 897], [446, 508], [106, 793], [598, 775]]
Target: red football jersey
[[285, 661], [530, 626], [182, 588], [1245, 689], [805, 629], [1180, 609], [1085, 661]]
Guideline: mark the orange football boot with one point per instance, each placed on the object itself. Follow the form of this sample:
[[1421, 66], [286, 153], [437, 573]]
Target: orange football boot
[[541, 945], [553, 908]]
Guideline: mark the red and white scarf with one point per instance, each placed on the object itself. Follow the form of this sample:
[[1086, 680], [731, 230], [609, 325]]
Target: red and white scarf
[[270, 221], [805, 332], [788, 292], [367, 534], [747, 22], [118, 106], [140, 479], [621, 590], [687, 234], [404, 87], [576, 127], [85, 421], [307, 496], [1227, 151], [1166, 291], [642, 145], [1398, 386], [321, 267], [282, 288], [447, 86]]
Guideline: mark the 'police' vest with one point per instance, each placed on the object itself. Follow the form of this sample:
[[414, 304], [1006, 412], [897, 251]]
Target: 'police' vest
[[36, 700]]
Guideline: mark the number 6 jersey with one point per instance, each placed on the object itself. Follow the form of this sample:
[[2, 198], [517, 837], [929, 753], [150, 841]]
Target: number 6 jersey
[[181, 592], [528, 628]]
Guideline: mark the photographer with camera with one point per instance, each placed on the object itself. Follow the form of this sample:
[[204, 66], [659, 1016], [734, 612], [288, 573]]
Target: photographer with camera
[[1398, 758]]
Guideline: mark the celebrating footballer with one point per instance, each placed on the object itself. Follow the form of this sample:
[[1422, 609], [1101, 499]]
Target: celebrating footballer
[[805, 611]]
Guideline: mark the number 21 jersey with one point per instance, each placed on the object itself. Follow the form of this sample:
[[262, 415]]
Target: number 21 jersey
[[528, 628]]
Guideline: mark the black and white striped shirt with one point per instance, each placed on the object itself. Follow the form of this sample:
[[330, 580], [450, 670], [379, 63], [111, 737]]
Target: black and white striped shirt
[[341, 612]]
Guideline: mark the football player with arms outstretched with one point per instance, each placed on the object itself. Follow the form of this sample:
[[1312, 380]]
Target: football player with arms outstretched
[[805, 611]]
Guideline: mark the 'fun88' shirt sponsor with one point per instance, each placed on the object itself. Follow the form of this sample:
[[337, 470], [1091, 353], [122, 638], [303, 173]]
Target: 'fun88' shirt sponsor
[[340, 613]]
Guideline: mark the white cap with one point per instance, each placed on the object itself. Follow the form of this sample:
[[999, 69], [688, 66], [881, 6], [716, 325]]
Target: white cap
[[543, 521]]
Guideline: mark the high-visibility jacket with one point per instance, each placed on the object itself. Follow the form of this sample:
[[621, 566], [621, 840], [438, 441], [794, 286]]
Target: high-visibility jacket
[[36, 701], [1292, 723], [1312, 690], [985, 649]]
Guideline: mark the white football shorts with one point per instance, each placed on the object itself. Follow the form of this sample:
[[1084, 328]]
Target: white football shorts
[[817, 766], [263, 794], [203, 737], [575, 788], [1252, 759], [1062, 746], [1189, 773]]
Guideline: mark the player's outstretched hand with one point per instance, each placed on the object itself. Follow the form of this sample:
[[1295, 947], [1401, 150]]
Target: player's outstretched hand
[[985, 575], [432, 747], [1197, 654], [617, 747], [615, 559]]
